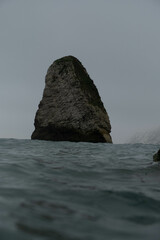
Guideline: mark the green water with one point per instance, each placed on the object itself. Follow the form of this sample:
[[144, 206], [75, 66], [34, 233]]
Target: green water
[[65, 191]]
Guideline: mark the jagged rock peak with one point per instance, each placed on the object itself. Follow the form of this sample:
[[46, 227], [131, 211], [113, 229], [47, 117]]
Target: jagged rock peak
[[71, 108]]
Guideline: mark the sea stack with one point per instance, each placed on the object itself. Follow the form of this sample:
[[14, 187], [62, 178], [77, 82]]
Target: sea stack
[[71, 108]]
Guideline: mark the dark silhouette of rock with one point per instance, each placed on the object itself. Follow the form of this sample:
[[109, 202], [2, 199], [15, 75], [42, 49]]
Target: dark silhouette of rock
[[71, 108], [156, 156]]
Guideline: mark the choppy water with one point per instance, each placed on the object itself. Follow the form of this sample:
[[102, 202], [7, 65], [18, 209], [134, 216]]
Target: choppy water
[[65, 191]]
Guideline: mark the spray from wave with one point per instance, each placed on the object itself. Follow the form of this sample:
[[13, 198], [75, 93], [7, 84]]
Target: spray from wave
[[148, 137]]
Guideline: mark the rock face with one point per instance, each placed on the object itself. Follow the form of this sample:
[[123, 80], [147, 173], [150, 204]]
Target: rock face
[[156, 156], [71, 108]]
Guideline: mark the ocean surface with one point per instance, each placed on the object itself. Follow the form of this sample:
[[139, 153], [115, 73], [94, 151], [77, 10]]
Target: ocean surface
[[78, 191]]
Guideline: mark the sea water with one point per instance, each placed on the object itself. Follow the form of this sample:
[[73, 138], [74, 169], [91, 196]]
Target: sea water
[[79, 191]]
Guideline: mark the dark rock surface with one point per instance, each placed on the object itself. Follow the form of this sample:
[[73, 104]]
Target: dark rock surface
[[71, 108], [156, 156]]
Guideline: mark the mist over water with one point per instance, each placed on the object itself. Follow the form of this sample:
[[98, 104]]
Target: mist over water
[[80, 191], [146, 137]]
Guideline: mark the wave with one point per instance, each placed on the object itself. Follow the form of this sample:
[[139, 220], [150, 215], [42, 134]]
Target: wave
[[149, 137]]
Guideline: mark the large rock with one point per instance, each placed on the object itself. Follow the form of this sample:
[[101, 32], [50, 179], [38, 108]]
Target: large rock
[[71, 108]]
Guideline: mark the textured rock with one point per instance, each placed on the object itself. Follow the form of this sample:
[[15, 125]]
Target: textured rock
[[156, 156], [71, 108]]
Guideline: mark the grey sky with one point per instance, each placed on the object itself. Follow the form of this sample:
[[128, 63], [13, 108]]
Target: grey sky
[[118, 42]]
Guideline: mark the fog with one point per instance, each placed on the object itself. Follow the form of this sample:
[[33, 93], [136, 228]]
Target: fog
[[116, 41]]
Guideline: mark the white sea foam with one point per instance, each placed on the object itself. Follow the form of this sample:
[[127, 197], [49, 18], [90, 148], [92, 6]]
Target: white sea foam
[[151, 136]]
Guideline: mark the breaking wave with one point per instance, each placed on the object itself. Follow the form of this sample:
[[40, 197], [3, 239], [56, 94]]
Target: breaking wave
[[148, 137]]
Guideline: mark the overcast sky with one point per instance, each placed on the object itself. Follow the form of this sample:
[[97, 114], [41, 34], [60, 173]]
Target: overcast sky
[[117, 41]]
